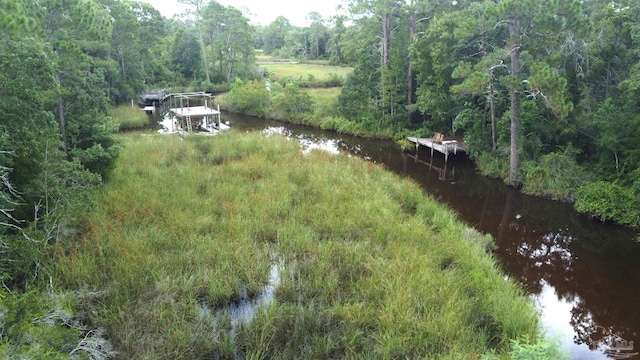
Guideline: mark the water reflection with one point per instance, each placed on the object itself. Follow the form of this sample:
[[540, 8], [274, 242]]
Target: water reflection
[[580, 284], [584, 276], [444, 174], [307, 143]]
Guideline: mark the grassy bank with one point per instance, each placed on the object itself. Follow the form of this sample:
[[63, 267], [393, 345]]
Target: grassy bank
[[368, 266], [127, 117]]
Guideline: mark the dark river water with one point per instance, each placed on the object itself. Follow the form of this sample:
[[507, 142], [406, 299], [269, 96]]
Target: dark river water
[[583, 275]]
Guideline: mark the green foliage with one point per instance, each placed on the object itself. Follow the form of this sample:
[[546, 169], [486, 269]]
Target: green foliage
[[27, 78], [434, 58], [185, 54], [493, 166], [611, 124], [74, 31], [555, 175], [477, 132], [38, 179], [43, 326], [548, 349], [474, 82], [59, 187], [324, 100], [12, 16], [275, 34], [355, 100], [525, 349], [617, 136], [137, 30], [251, 98], [550, 88], [90, 131], [539, 135], [367, 127], [231, 42], [609, 201], [33, 328], [292, 103]]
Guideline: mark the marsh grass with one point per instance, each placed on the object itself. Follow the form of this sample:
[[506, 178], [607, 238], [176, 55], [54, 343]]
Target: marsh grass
[[302, 71], [127, 117], [372, 268], [324, 98], [313, 75]]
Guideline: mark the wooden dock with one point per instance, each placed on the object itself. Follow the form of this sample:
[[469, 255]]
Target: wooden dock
[[445, 147]]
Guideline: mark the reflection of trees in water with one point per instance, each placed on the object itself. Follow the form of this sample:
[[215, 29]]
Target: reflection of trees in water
[[602, 287], [583, 324], [551, 251], [533, 259], [606, 340], [546, 259], [606, 313]]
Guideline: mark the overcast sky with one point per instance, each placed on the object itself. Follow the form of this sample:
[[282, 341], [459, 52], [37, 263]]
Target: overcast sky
[[262, 12]]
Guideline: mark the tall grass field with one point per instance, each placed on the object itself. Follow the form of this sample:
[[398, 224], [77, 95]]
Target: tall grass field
[[303, 71], [331, 257], [324, 96], [308, 74], [127, 117]]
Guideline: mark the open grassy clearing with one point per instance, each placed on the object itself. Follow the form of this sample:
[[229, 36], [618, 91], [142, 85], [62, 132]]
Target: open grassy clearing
[[263, 58], [306, 72], [369, 267]]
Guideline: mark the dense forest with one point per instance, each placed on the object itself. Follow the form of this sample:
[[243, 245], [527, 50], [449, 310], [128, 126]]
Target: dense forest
[[545, 93]]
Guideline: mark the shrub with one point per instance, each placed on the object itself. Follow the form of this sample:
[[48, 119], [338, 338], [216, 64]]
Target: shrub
[[293, 103], [609, 201], [544, 349], [333, 80], [490, 165], [524, 349], [251, 98], [37, 326], [556, 175]]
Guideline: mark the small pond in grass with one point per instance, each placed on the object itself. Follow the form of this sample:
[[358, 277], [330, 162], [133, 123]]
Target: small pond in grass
[[583, 275], [241, 312]]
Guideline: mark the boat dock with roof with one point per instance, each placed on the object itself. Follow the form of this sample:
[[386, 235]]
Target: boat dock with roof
[[193, 111]]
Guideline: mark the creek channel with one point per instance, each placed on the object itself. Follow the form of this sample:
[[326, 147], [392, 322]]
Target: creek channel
[[583, 275]]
